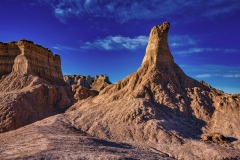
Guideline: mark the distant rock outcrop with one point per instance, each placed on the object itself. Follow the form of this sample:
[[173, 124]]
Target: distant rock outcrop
[[97, 83], [31, 84], [160, 106], [86, 86]]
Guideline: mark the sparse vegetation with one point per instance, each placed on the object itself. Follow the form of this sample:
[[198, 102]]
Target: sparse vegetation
[[215, 138], [236, 95]]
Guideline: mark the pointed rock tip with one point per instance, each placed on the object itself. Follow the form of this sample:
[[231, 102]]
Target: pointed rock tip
[[163, 27], [158, 52]]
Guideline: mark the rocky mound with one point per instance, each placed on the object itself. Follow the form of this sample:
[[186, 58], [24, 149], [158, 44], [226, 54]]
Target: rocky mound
[[86, 86], [31, 84], [160, 106]]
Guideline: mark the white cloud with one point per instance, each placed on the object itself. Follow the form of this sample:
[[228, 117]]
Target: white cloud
[[87, 1], [203, 76], [190, 51], [205, 49], [231, 75], [123, 11], [185, 41], [65, 48], [212, 71], [32, 4], [59, 11], [181, 40], [218, 75], [222, 7], [117, 43], [230, 50]]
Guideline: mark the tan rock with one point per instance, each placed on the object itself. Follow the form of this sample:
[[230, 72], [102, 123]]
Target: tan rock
[[29, 82], [31, 104], [25, 57], [55, 138], [8, 52], [158, 111], [158, 52], [161, 107], [96, 83], [91, 86], [100, 82], [83, 92]]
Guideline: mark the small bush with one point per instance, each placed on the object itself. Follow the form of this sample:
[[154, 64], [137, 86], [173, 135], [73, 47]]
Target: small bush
[[215, 138], [236, 95]]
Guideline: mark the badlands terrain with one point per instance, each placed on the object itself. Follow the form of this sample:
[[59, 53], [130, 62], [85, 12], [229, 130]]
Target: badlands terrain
[[158, 112]]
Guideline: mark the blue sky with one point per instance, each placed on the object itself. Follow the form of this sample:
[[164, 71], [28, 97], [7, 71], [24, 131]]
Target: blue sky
[[110, 37]]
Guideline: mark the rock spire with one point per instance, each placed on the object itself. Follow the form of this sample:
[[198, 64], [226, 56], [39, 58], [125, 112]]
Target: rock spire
[[158, 104], [158, 52]]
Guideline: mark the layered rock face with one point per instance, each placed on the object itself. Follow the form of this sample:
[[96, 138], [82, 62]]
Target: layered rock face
[[86, 86], [31, 85], [8, 52], [25, 57], [161, 107]]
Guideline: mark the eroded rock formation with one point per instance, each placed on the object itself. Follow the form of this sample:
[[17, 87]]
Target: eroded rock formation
[[97, 83], [31, 85], [160, 106], [158, 112], [81, 92], [86, 86], [25, 57]]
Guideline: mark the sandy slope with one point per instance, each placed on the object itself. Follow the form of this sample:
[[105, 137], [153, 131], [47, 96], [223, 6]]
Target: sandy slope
[[56, 138]]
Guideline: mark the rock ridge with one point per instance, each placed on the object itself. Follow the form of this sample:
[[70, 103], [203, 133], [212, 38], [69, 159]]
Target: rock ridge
[[31, 85], [25, 57]]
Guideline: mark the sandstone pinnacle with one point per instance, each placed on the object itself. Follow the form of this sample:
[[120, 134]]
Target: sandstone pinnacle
[[158, 52], [158, 103]]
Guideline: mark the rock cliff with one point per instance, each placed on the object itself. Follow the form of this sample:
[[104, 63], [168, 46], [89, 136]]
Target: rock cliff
[[25, 57], [31, 84]]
